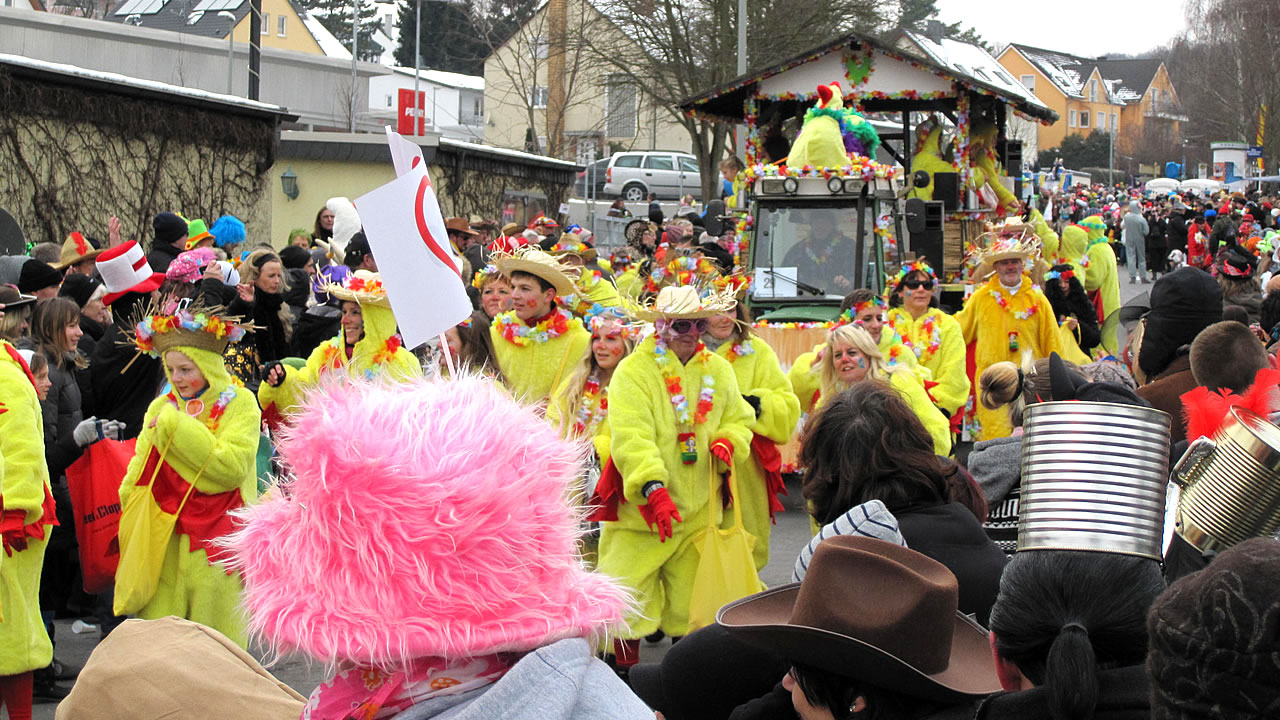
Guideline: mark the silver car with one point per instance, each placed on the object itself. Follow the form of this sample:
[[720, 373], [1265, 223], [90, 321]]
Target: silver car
[[669, 175]]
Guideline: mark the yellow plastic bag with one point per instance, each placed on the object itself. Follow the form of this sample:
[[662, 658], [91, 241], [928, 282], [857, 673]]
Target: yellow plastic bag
[[726, 568], [1071, 351], [145, 530]]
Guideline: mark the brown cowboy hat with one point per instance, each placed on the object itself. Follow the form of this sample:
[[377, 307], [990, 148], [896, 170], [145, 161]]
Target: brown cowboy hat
[[512, 229], [873, 611], [459, 225]]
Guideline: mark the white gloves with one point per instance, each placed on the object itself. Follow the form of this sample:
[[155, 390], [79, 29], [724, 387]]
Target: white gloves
[[91, 430]]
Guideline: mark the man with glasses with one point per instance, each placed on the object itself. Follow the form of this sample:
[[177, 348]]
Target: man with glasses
[[679, 423]]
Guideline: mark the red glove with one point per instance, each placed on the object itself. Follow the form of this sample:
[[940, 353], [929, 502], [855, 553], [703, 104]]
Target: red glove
[[723, 451], [660, 510], [12, 531]]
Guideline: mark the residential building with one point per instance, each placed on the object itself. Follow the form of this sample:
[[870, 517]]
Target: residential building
[[1133, 98], [285, 24], [453, 103], [604, 111]]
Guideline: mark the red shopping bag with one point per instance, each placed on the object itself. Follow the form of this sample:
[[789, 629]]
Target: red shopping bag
[[94, 481]]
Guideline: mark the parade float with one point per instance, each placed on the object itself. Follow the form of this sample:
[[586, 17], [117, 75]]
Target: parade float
[[903, 146]]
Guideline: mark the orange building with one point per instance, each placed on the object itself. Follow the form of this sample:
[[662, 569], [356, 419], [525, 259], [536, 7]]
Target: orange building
[[1135, 99]]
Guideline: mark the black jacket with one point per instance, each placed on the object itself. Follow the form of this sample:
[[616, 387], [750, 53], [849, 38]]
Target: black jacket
[[1076, 304], [124, 380], [1123, 694], [951, 535], [161, 256], [317, 324]]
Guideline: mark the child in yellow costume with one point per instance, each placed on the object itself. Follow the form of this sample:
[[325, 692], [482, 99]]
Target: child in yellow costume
[[537, 343], [1102, 279], [26, 515], [366, 346], [777, 410], [933, 335], [1005, 318], [677, 417], [202, 432]]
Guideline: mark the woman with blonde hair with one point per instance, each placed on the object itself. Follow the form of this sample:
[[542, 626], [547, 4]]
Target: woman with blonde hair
[[852, 357], [580, 407]]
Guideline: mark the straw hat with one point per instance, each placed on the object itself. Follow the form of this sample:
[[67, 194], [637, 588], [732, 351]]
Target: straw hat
[[877, 612], [1020, 247], [362, 286], [75, 249], [570, 244], [534, 261], [194, 325], [677, 302]]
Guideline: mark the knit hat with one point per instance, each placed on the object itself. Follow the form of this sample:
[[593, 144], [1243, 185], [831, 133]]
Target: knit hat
[[190, 265], [1215, 638], [1183, 303], [79, 288], [169, 228], [38, 275], [471, 549], [294, 257]]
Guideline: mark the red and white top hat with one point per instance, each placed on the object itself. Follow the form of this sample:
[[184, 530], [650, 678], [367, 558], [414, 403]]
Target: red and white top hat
[[125, 269]]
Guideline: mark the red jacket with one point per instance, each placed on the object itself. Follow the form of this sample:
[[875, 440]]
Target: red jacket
[[1198, 249]]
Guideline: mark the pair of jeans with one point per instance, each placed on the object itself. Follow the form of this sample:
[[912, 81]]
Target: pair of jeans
[[1137, 252]]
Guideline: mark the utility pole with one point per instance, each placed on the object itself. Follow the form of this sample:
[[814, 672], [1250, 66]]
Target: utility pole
[[742, 37], [255, 47], [1111, 154], [557, 22], [355, 43], [231, 48], [417, 63]]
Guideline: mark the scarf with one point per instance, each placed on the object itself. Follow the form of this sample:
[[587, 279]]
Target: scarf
[[363, 693]]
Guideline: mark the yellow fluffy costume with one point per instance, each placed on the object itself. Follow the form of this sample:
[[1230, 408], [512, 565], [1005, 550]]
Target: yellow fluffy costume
[[929, 157], [210, 441], [755, 365], [28, 512], [1071, 251], [647, 449], [1003, 327], [1102, 278], [536, 358], [806, 372], [1048, 238], [821, 142], [378, 352], [982, 156], [939, 345]]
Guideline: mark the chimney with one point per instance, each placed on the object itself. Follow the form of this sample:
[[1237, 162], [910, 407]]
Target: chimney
[[934, 31]]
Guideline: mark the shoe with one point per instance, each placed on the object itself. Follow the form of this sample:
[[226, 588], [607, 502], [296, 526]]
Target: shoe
[[1133, 281], [44, 689], [656, 637], [62, 671], [1146, 281]]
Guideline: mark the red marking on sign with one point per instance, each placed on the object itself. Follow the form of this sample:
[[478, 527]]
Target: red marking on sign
[[424, 231]]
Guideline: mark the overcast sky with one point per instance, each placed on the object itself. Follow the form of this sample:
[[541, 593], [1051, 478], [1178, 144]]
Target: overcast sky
[[1081, 27]]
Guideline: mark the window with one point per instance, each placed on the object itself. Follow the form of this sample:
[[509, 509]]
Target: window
[[688, 165], [1113, 122], [1028, 82], [623, 107], [1084, 118], [280, 22], [266, 23], [627, 161], [659, 162], [540, 47], [1071, 118], [538, 97], [1093, 91], [388, 101], [470, 109]]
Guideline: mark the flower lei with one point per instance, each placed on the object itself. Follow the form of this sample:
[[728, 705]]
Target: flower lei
[[683, 270], [1003, 302], [675, 388], [219, 407], [484, 276], [593, 409], [740, 350], [930, 329], [850, 314], [152, 325], [917, 265], [515, 331], [364, 285]]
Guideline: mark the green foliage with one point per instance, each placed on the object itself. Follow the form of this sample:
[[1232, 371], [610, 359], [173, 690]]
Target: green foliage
[[335, 16], [458, 36], [1079, 151], [914, 15]]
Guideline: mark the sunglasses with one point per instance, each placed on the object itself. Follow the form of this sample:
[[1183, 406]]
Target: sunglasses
[[913, 284], [687, 327]]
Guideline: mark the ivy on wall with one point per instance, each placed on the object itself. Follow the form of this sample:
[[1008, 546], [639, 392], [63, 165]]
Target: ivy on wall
[[73, 157]]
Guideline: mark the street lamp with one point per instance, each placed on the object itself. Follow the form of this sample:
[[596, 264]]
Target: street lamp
[[289, 183], [231, 46]]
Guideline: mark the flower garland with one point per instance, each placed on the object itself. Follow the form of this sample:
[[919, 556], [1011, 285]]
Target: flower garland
[[216, 412], [484, 276], [865, 168], [1003, 302], [741, 350], [904, 326], [884, 231], [919, 265], [850, 315], [683, 270], [388, 350], [858, 66], [372, 286], [152, 325], [675, 389], [593, 408], [515, 331], [792, 325]]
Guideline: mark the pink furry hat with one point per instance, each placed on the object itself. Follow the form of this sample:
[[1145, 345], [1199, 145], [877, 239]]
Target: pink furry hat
[[429, 518]]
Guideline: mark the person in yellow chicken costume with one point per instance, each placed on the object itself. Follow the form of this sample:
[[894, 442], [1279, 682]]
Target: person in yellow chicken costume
[[1071, 250], [677, 417], [1048, 238], [1102, 280], [777, 410], [865, 309], [26, 517], [366, 346], [196, 457], [821, 140], [591, 288], [987, 168], [933, 335], [538, 342], [1005, 318], [928, 156]]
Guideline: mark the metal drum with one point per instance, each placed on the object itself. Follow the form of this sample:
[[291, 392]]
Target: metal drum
[[1230, 484], [1093, 478]]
